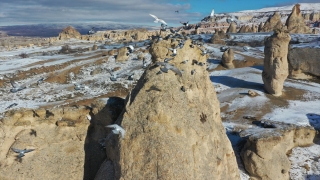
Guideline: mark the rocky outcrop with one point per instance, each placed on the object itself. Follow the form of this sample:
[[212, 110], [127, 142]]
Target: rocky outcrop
[[304, 62], [122, 54], [57, 135], [135, 34], [254, 29], [216, 38], [315, 16], [232, 28], [295, 22], [275, 62], [227, 59], [260, 27], [272, 23], [172, 122], [68, 33], [265, 152]]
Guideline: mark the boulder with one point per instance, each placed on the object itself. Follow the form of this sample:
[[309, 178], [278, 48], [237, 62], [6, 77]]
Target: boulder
[[295, 22], [272, 23], [275, 62], [260, 27], [173, 125], [216, 38], [227, 59], [122, 54], [304, 62], [232, 28], [69, 32], [265, 153]]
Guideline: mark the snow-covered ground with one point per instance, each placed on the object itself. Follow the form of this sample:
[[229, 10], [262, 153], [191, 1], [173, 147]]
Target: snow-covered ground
[[299, 105]]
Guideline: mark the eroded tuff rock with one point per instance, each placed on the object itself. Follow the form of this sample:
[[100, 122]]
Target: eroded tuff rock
[[69, 32], [232, 28], [173, 126], [58, 137], [216, 39], [135, 34], [265, 152], [275, 62], [122, 54], [227, 59], [295, 22], [65, 137], [304, 62], [272, 23]]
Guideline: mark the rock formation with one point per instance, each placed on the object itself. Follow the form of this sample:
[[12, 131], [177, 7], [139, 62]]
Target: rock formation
[[303, 62], [254, 28], [216, 38], [232, 28], [315, 16], [265, 152], [272, 23], [295, 22], [135, 34], [260, 27], [57, 135], [227, 59], [275, 62], [69, 32], [122, 54], [172, 122]]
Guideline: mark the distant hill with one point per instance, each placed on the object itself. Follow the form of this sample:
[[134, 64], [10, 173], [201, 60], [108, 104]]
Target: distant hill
[[52, 30]]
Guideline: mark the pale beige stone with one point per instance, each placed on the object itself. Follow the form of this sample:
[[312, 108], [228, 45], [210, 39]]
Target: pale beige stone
[[173, 133], [227, 59], [275, 69]]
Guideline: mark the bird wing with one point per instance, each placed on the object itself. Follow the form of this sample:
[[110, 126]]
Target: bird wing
[[28, 150], [174, 69], [162, 21], [161, 63], [16, 150], [154, 16], [113, 126], [14, 84]]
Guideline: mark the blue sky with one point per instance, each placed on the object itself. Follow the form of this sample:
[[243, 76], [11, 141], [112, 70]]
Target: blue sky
[[19, 12]]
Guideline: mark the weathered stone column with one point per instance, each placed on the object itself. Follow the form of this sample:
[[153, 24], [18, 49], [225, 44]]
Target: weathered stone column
[[227, 59], [275, 62]]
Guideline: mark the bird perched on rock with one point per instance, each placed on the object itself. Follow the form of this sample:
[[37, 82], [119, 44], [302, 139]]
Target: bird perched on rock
[[174, 51], [175, 31], [40, 81], [204, 51], [144, 64], [167, 66], [163, 27], [17, 87], [113, 75], [224, 48], [21, 152], [185, 24], [130, 77], [167, 59], [92, 31], [184, 62], [117, 129], [130, 48], [181, 44], [157, 19]]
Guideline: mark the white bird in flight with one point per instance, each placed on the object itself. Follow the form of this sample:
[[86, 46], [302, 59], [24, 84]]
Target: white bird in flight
[[117, 129], [157, 19]]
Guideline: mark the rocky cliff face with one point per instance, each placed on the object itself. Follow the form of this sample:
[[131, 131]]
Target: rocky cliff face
[[295, 22], [304, 62], [232, 28], [172, 122]]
